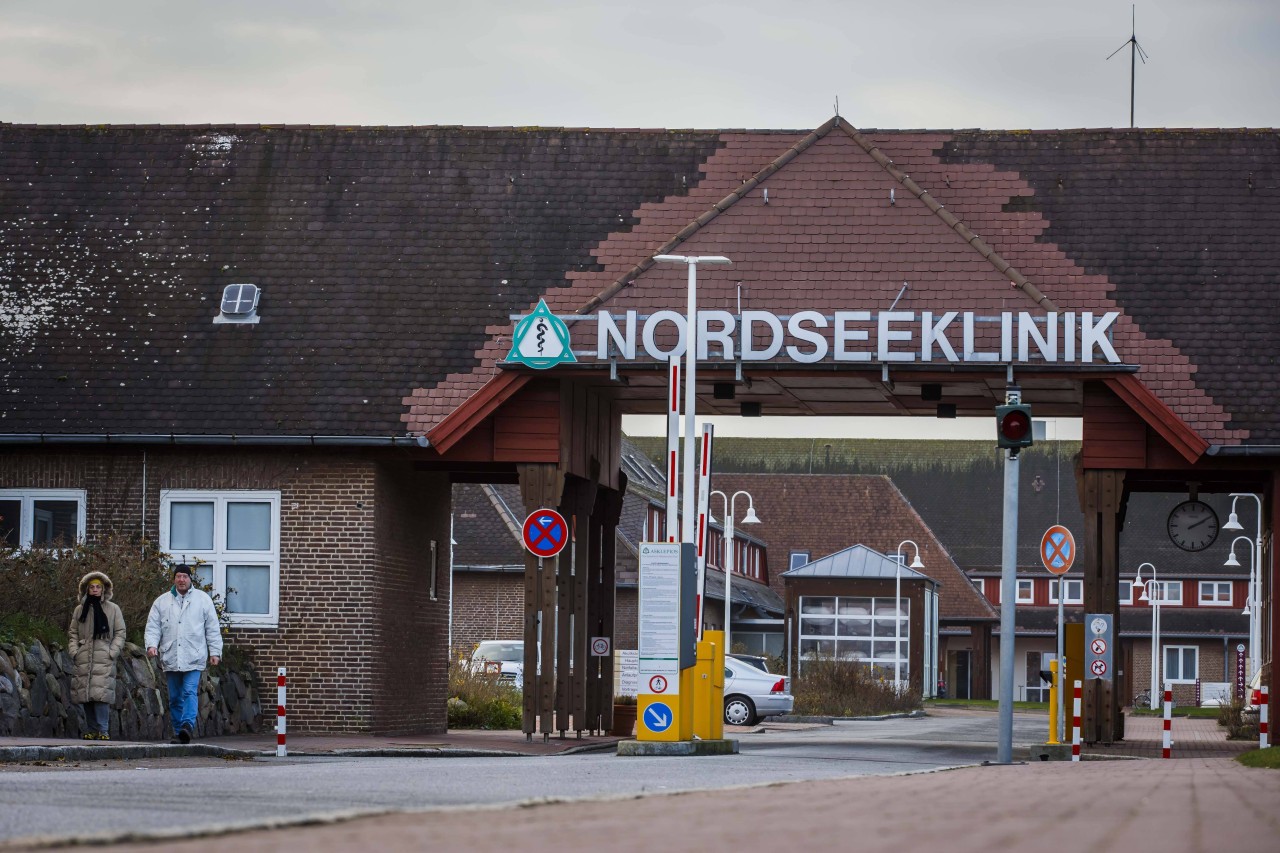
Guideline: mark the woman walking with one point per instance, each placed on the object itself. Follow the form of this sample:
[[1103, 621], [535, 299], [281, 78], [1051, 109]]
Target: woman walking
[[96, 638]]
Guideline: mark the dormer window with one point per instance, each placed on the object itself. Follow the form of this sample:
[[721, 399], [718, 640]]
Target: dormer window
[[239, 304]]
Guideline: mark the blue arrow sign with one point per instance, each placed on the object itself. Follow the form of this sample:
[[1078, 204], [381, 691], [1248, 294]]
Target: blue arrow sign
[[658, 717]]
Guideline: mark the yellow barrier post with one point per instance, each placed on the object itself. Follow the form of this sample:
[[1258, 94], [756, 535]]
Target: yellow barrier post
[[708, 687], [1054, 681]]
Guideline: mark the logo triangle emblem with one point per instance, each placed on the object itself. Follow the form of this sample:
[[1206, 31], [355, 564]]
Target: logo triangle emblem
[[541, 340]]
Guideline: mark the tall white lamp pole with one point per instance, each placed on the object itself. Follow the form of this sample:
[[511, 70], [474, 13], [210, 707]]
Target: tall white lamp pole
[[897, 611], [731, 556], [1255, 576], [1250, 605], [689, 516], [1151, 592]]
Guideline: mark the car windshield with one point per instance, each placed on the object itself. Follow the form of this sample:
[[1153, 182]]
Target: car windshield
[[510, 652], [759, 663]]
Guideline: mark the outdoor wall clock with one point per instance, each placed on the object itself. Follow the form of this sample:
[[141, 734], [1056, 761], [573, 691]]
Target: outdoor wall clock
[[1193, 525]]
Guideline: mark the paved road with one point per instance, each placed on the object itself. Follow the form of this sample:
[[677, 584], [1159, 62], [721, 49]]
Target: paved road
[[128, 799]]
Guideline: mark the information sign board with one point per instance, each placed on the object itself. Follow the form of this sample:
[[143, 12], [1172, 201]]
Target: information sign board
[[1098, 628]]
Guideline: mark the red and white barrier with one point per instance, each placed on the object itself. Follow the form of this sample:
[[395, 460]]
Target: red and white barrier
[[1262, 719], [1075, 720], [1168, 723], [281, 752], [673, 449]]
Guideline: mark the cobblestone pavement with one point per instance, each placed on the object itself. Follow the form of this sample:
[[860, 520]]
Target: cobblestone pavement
[[1192, 805]]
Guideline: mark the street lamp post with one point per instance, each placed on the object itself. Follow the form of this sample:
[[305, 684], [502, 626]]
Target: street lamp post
[[731, 556], [1146, 589], [689, 515], [897, 611], [1250, 604], [1255, 575]]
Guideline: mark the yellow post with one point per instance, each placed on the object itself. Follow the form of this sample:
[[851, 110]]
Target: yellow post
[[1053, 701], [708, 687]]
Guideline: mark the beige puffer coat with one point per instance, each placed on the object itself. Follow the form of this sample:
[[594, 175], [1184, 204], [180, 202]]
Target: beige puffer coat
[[94, 678]]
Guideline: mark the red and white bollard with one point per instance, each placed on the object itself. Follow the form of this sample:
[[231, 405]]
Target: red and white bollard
[[281, 752], [1168, 723], [1262, 719], [1075, 721]]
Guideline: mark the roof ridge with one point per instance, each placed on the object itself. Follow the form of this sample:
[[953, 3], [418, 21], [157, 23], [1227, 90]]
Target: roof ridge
[[503, 510], [979, 245], [627, 278]]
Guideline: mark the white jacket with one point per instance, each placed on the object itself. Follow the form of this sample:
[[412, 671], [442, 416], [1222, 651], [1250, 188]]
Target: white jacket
[[185, 630]]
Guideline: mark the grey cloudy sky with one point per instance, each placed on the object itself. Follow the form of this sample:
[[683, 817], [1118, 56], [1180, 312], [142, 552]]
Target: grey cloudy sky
[[643, 63]]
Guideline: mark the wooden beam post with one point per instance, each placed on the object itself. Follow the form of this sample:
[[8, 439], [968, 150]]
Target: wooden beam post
[[1102, 500], [541, 485]]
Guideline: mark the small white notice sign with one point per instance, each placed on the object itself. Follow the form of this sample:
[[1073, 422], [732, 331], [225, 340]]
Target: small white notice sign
[[659, 629]]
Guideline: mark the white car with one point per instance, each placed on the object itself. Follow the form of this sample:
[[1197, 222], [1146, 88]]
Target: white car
[[751, 693], [503, 658]]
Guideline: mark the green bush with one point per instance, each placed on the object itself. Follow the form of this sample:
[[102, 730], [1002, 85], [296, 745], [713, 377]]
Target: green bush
[[1232, 716], [479, 701], [843, 688], [39, 585]]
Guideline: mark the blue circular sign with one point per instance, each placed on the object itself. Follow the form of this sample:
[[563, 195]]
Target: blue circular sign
[[658, 717], [545, 532]]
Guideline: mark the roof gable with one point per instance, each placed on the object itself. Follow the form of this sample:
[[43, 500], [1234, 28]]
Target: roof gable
[[857, 561]]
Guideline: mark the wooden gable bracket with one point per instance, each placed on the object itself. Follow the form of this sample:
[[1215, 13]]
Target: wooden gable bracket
[[1158, 416]]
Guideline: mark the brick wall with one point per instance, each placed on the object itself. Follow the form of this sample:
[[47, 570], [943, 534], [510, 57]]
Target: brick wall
[[626, 618], [1211, 667], [352, 544], [486, 606], [410, 671]]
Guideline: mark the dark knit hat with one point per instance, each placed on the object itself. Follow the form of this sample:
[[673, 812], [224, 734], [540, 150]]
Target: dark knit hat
[[183, 569]]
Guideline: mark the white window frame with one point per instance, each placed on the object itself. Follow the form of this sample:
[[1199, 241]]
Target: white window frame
[[882, 631], [1030, 586], [1213, 587], [28, 497], [1170, 593], [218, 559], [1183, 651], [1073, 584], [804, 555], [1125, 592], [980, 584]]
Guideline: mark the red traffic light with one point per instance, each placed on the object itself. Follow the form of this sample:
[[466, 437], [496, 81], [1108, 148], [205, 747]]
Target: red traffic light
[[1013, 426]]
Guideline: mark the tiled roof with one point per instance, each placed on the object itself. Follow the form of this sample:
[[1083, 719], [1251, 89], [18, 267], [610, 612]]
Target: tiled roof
[[383, 255], [392, 258], [826, 514]]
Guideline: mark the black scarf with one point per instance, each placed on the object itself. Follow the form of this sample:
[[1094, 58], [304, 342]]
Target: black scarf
[[100, 626]]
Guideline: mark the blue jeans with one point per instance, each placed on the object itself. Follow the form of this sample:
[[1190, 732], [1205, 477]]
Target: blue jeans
[[97, 716], [183, 699]]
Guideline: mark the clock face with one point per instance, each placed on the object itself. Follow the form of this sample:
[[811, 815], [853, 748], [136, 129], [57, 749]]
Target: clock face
[[1193, 525]]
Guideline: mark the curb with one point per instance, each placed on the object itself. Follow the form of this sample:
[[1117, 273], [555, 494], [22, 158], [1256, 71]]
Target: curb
[[11, 754]]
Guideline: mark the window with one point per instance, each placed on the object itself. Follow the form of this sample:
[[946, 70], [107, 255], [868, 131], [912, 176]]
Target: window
[[1075, 591], [1167, 592], [1181, 664], [235, 536], [798, 559], [1215, 593], [1026, 591], [866, 630], [41, 516], [980, 584], [1126, 591], [1038, 690]]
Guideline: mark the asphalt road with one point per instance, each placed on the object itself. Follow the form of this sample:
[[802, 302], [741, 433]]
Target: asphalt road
[[156, 797]]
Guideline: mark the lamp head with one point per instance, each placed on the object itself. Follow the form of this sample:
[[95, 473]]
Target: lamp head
[[1245, 612], [916, 564], [750, 517], [1232, 561], [1233, 522]]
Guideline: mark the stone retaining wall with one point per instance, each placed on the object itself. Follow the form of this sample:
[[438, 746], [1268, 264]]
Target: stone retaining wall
[[35, 696]]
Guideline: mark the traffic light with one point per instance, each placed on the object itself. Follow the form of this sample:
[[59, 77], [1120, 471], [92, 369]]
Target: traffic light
[[1013, 426]]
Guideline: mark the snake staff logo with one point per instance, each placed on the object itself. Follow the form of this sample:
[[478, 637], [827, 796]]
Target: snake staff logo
[[541, 340]]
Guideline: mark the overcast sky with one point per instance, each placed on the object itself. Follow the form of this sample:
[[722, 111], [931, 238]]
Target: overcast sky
[[640, 63]]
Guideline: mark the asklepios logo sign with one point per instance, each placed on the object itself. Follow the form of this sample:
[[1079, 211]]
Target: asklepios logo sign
[[541, 340]]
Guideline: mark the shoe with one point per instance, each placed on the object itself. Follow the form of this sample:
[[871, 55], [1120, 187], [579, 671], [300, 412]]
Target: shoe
[[175, 739], [103, 736], [89, 736], [184, 736]]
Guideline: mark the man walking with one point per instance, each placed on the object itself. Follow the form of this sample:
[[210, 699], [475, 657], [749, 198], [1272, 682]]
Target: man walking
[[183, 631]]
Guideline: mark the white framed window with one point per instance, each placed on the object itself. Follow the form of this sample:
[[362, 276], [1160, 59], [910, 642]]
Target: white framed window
[[1215, 593], [867, 630], [980, 584], [1167, 592], [1181, 664], [1075, 591], [798, 559], [235, 535], [42, 516], [1026, 591], [1126, 591]]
